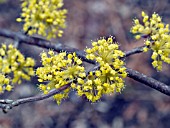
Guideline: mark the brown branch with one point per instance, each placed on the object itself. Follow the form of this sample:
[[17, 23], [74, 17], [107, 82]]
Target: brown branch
[[148, 81], [58, 47], [36, 41], [159, 86], [7, 104], [134, 51]]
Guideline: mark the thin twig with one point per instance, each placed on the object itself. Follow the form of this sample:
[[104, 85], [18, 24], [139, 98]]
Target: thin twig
[[9, 104], [134, 51]]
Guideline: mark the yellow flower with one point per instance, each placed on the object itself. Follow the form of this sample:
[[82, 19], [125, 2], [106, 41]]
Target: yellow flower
[[44, 17], [62, 69], [4, 83], [157, 34], [111, 71], [8, 88], [12, 61]]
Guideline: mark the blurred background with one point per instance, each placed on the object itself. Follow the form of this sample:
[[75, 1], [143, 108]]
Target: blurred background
[[138, 106]]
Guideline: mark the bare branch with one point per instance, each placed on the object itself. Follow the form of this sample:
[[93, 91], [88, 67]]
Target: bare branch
[[58, 47], [134, 51], [7, 104], [159, 86]]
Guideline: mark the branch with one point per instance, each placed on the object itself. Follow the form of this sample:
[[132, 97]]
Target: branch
[[7, 104], [36, 41], [148, 81], [58, 47], [159, 86], [134, 51]]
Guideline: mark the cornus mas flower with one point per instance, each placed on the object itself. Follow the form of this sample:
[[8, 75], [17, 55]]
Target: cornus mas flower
[[59, 70], [108, 78], [4, 83], [45, 17], [157, 38], [13, 63]]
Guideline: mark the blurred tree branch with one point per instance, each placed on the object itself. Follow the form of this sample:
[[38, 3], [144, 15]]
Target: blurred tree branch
[[6, 104]]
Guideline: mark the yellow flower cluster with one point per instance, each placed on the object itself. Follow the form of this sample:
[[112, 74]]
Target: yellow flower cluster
[[108, 78], [4, 83], [158, 38], [59, 70], [45, 17], [12, 62]]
